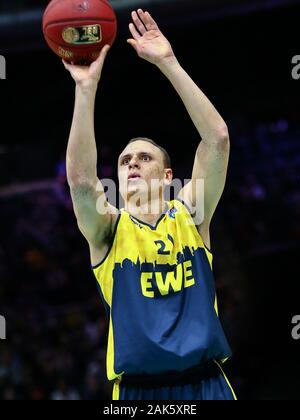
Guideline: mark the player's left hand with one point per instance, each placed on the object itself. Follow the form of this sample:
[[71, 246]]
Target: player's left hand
[[148, 41]]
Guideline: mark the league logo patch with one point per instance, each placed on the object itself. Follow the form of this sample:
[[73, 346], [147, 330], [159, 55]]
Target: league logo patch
[[172, 212]]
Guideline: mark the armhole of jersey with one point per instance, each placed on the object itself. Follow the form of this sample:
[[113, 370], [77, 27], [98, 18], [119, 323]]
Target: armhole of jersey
[[94, 267], [190, 212]]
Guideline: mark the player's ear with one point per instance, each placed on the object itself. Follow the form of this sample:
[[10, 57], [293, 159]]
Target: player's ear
[[168, 176]]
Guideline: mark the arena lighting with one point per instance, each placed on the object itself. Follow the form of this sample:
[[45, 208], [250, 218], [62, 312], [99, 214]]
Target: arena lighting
[[213, 6]]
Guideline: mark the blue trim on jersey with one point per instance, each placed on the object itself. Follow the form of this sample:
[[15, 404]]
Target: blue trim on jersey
[[106, 306], [147, 224], [190, 211], [112, 241]]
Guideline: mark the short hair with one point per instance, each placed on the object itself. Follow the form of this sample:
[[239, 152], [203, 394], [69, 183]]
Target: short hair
[[166, 156]]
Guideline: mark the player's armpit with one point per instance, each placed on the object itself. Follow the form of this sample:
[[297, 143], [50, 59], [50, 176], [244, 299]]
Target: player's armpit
[[95, 216]]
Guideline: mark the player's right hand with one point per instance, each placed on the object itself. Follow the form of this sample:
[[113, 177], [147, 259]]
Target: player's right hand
[[91, 73]]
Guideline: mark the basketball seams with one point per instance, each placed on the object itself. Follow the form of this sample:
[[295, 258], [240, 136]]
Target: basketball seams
[[105, 3]]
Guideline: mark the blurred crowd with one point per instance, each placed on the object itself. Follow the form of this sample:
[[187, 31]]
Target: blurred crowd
[[262, 199], [56, 325]]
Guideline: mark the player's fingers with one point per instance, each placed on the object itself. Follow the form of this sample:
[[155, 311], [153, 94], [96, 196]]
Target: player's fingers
[[138, 23], [134, 32], [67, 66], [151, 22], [104, 50], [132, 42], [102, 54], [143, 17]]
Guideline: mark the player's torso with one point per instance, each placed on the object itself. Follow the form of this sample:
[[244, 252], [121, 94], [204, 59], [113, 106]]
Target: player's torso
[[158, 286]]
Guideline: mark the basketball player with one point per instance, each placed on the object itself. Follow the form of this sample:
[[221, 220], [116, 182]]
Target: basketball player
[[154, 268]]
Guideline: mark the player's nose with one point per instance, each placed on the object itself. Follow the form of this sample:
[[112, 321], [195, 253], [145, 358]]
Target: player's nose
[[134, 162]]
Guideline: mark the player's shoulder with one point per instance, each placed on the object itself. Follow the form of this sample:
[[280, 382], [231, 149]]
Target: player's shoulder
[[106, 232], [180, 206], [198, 221], [115, 218]]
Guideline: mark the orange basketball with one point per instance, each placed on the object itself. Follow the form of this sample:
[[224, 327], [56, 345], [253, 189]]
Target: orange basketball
[[77, 30]]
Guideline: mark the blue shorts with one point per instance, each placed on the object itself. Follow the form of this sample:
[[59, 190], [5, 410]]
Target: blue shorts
[[213, 385]]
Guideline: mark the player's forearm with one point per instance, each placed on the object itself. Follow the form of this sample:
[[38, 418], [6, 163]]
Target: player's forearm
[[206, 118], [82, 151]]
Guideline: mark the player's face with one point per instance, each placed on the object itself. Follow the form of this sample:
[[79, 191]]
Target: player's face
[[141, 169]]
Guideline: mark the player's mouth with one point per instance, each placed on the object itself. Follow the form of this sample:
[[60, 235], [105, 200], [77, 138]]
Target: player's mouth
[[134, 176]]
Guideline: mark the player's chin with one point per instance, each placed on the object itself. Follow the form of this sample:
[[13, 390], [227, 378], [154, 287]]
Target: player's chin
[[136, 183], [137, 191], [134, 189]]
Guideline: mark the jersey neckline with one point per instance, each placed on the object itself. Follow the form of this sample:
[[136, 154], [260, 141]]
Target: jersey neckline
[[167, 208]]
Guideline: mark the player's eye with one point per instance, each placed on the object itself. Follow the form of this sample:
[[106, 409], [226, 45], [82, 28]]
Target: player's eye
[[145, 158], [125, 161]]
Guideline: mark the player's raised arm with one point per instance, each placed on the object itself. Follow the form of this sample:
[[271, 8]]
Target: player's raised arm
[[212, 155], [86, 190]]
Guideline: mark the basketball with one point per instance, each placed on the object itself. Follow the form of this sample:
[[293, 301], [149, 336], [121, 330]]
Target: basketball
[[77, 30]]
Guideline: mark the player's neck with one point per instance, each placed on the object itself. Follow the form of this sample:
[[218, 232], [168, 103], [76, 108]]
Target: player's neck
[[148, 212]]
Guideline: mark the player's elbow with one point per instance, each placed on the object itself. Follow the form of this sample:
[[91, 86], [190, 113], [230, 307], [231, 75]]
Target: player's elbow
[[222, 134], [221, 138], [80, 178], [74, 181], [81, 186]]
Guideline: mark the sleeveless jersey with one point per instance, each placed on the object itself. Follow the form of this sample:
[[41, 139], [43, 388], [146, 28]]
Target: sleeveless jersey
[[158, 288]]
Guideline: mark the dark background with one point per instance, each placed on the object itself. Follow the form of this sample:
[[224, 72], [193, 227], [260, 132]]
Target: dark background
[[240, 54]]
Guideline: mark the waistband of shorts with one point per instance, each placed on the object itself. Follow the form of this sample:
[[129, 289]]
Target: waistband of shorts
[[192, 375]]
